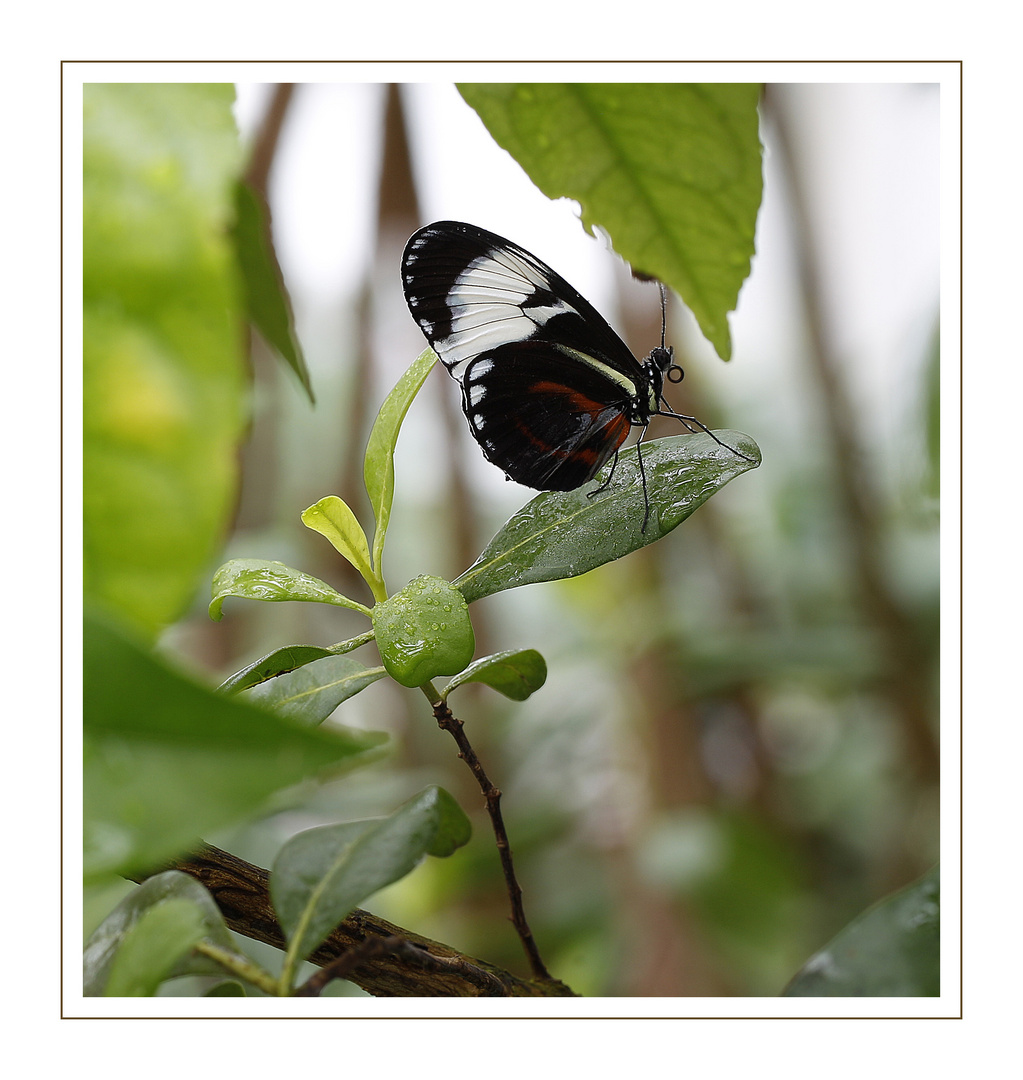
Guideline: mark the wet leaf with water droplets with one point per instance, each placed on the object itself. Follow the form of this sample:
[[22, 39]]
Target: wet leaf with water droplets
[[264, 579], [561, 534]]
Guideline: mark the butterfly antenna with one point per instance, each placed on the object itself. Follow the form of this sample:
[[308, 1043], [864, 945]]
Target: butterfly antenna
[[664, 311], [687, 420]]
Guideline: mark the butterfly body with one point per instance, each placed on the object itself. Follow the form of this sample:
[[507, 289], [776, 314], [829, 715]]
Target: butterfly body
[[549, 390]]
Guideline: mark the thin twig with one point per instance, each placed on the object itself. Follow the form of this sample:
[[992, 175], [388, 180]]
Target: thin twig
[[455, 728]]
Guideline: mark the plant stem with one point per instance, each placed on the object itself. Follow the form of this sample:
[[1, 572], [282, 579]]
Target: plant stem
[[342, 647], [240, 966], [451, 724]]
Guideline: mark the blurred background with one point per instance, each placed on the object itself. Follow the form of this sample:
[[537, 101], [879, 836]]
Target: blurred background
[[736, 748]]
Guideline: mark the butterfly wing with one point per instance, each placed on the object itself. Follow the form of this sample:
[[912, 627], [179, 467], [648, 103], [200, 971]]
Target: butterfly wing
[[542, 417], [546, 383]]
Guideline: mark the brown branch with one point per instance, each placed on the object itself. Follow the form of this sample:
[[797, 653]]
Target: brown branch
[[242, 893], [373, 948], [455, 728]]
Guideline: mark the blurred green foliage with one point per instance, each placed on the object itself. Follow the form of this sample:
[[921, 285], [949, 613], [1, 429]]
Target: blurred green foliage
[[167, 761], [164, 373], [891, 950], [715, 777]]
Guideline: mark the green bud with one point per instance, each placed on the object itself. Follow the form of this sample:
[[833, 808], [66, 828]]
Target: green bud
[[424, 631]]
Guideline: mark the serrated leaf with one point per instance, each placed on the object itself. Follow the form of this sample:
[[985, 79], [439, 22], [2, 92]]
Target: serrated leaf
[[378, 468], [892, 950], [265, 579], [561, 534], [516, 673], [322, 874], [164, 371], [333, 518], [671, 171], [170, 886], [312, 692], [266, 297], [168, 761]]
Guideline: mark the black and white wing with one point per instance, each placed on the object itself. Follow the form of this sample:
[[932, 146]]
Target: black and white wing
[[547, 385]]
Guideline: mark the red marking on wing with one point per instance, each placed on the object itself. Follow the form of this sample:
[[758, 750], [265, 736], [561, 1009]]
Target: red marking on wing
[[579, 402], [613, 433], [618, 429]]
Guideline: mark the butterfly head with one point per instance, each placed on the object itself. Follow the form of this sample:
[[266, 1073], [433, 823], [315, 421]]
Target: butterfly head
[[658, 366], [664, 360]]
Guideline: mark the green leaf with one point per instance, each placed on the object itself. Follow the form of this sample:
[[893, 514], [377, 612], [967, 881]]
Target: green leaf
[[332, 517], [561, 534], [167, 761], [891, 950], [378, 469], [311, 693], [516, 673], [424, 631], [278, 662], [153, 948], [228, 988], [263, 579], [266, 297], [161, 950], [164, 372], [671, 171], [288, 658], [322, 874]]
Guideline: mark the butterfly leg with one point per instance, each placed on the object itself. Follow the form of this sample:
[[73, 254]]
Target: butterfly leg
[[688, 421], [607, 483], [642, 477]]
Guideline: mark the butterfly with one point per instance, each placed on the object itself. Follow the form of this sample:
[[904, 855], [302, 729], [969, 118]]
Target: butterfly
[[550, 391]]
